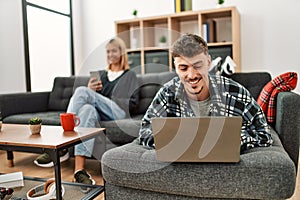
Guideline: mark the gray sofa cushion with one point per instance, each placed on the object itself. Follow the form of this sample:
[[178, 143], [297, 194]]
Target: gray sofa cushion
[[49, 118], [253, 81], [262, 172], [122, 131], [61, 93], [116, 192], [149, 84]]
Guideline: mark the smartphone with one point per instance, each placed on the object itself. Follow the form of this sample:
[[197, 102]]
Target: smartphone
[[95, 74]]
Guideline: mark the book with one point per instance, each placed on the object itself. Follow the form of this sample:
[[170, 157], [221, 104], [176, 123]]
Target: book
[[204, 32], [182, 5], [11, 180], [177, 4], [211, 30], [187, 5]]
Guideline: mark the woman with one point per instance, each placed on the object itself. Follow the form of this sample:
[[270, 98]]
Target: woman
[[111, 98]]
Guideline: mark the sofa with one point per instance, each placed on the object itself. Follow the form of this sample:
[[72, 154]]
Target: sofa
[[127, 167], [18, 108], [132, 171]]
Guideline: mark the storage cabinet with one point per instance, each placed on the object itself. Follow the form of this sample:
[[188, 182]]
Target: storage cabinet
[[220, 27], [134, 61], [156, 61]]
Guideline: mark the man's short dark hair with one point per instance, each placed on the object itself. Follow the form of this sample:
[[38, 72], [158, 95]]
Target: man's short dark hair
[[189, 45]]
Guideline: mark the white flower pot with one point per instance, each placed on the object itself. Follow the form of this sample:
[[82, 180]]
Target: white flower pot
[[162, 44], [35, 129]]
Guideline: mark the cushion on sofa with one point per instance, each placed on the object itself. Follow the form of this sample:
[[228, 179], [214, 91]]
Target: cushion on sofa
[[122, 131], [149, 84], [265, 171], [253, 81], [61, 93], [118, 192], [49, 118], [267, 98], [25, 102]]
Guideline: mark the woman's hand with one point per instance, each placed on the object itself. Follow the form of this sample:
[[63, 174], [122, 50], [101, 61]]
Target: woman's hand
[[94, 84]]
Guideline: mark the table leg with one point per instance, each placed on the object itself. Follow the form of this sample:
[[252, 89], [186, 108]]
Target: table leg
[[10, 158], [55, 158]]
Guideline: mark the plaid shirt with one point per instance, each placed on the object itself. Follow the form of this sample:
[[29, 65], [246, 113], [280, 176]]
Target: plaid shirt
[[228, 98]]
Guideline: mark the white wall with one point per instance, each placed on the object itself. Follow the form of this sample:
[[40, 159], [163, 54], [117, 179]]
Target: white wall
[[269, 33], [12, 64]]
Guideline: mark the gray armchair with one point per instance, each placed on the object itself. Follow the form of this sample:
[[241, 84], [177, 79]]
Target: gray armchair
[[132, 171]]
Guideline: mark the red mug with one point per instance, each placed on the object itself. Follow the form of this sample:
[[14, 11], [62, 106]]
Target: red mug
[[69, 121]]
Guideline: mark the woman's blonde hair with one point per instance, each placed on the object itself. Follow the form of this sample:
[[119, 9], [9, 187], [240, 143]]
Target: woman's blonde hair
[[124, 57]]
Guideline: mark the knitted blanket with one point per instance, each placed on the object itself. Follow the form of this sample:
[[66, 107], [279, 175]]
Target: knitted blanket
[[267, 97]]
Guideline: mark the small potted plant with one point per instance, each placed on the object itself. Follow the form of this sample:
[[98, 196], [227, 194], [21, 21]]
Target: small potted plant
[[220, 3], [134, 13], [162, 41], [35, 125]]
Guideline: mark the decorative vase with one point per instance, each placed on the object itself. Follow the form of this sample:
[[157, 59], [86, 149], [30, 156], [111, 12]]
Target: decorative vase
[[35, 128]]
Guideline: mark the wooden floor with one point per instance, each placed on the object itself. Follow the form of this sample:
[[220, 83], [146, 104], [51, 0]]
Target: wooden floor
[[24, 163]]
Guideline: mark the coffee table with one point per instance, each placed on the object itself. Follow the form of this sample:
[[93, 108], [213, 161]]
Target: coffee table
[[52, 139]]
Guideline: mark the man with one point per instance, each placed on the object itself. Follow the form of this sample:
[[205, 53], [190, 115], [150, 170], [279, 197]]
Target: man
[[195, 92]]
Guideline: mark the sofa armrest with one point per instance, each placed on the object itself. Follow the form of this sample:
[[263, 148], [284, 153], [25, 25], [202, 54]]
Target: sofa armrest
[[288, 123], [27, 102]]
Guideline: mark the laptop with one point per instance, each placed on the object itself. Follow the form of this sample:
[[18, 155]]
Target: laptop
[[197, 139]]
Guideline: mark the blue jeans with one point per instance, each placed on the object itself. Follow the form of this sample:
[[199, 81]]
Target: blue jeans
[[92, 107]]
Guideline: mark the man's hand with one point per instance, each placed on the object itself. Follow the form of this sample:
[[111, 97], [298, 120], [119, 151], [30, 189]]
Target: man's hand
[[94, 84]]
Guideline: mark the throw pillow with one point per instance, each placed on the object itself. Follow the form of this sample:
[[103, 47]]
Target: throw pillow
[[266, 99]]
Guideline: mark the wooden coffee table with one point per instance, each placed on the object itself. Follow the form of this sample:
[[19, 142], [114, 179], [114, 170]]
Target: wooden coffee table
[[52, 139]]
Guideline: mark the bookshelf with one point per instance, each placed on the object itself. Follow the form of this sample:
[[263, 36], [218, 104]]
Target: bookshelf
[[220, 27]]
